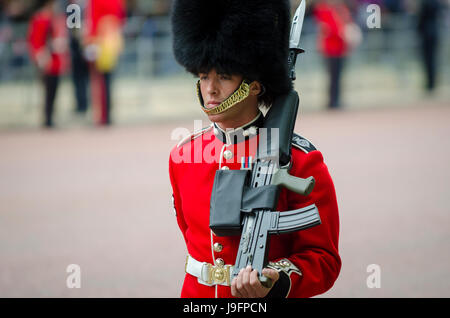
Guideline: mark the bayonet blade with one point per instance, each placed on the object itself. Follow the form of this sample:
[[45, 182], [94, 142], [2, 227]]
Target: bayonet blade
[[297, 25]]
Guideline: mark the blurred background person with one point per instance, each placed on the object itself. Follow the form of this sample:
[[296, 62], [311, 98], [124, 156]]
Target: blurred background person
[[47, 39], [428, 28], [80, 67], [338, 35], [104, 44]]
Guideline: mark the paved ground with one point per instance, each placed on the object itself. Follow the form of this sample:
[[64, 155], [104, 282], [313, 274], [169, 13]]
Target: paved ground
[[100, 198]]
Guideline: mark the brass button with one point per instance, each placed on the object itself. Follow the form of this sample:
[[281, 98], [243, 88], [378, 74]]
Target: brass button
[[227, 154], [220, 262], [217, 247]]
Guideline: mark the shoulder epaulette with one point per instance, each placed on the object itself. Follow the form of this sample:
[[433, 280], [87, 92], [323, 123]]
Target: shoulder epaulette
[[193, 135], [302, 143]]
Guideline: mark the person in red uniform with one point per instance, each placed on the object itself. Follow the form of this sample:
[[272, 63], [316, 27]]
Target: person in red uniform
[[335, 24], [48, 45], [240, 52], [104, 43]]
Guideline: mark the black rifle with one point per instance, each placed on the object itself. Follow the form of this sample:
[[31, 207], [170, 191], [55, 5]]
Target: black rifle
[[272, 169]]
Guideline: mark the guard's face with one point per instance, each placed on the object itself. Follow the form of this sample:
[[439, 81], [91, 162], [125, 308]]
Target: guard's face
[[215, 88]]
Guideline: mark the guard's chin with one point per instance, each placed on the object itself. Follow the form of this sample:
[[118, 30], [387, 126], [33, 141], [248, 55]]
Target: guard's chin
[[217, 118]]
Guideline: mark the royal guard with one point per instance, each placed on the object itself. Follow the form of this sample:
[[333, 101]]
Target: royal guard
[[338, 36], [49, 51], [239, 52]]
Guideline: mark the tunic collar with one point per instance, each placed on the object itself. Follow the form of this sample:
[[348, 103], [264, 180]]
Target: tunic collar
[[243, 133]]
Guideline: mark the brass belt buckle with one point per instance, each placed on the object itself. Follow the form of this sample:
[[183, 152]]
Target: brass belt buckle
[[209, 278], [220, 274]]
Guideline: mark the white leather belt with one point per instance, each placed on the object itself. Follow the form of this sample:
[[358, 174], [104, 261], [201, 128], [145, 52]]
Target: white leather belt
[[208, 274]]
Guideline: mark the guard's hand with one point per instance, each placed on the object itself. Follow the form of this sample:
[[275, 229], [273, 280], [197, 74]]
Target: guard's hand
[[247, 284]]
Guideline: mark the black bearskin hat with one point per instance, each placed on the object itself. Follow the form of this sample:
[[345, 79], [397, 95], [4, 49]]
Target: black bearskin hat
[[246, 37]]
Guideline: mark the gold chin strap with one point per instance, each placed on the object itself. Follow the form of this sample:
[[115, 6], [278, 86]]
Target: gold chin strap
[[238, 96]]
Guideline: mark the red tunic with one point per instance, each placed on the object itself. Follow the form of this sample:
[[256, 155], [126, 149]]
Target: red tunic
[[96, 10], [48, 35], [332, 21], [192, 167]]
